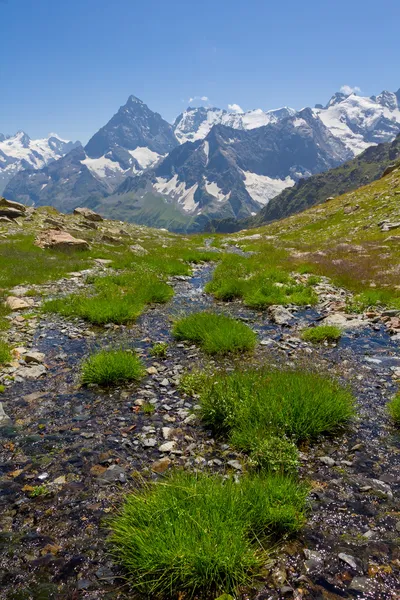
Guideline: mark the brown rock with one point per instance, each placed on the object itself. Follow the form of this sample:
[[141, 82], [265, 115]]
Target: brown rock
[[60, 240], [88, 214], [15, 303], [160, 466], [98, 470], [10, 204]]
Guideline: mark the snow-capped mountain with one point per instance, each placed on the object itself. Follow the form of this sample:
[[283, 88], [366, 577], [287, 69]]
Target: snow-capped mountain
[[195, 123], [231, 173], [361, 122], [211, 163], [134, 139], [18, 152]]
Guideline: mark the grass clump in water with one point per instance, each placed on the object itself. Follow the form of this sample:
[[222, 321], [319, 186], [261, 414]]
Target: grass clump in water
[[322, 333], [119, 299], [259, 286], [394, 409], [248, 405], [216, 334], [5, 352], [110, 367], [198, 534]]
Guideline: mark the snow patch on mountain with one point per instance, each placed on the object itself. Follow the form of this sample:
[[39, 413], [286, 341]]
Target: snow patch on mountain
[[177, 191], [102, 167], [145, 157], [213, 189], [262, 188]]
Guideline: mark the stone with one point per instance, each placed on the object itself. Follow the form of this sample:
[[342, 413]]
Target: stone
[[167, 447], [344, 321], [363, 585], [138, 250], [114, 474], [34, 357], [60, 240], [389, 226], [280, 315], [349, 560], [88, 214], [15, 303], [381, 486], [12, 204], [389, 169], [235, 464], [152, 371], [327, 460], [5, 420], [165, 382], [167, 432], [31, 372], [160, 466]]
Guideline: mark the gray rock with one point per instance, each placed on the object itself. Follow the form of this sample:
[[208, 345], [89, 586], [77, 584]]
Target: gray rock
[[5, 420], [381, 486], [349, 560], [34, 357], [327, 460], [167, 447], [114, 474], [362, 585], [280, 315], [31, 372]]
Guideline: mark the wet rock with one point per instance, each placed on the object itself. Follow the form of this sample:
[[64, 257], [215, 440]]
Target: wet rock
[[362, 585], [280, 315], [349, 560], [114, 474], [88, 214], [344, 321], [5, 420], [34, 357], [32, 372], [60, 240]]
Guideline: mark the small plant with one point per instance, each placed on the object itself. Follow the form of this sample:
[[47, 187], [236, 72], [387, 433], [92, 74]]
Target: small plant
[[159, 350], [110, 367], [39, 490], [2, 389], [394, 409], [216, 334], [5, 352], [201, 534], [322, 333], [148, 409]]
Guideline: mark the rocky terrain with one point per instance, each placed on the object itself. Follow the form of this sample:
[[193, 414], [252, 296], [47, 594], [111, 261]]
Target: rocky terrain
[[69, 453]]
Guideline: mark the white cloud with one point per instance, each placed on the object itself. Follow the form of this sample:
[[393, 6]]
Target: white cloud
[[235, 108], [202, 98], [348, 89]]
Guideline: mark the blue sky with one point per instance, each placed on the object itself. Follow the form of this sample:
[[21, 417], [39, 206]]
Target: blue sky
[[67, 65]]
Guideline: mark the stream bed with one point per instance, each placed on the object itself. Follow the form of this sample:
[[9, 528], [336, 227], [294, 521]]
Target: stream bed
[[70, 453]]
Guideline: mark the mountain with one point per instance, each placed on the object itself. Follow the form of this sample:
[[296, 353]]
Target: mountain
[[362, 170], [134, 139], [18, 152], [211, 165], [195, 123], [360, 122], [232, 173]]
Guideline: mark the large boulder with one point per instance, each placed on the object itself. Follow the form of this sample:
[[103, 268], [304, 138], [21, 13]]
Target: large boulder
[[60, 240], [88, 214], [11, 210]]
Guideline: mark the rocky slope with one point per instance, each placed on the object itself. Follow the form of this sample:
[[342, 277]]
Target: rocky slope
[[18, 152], [360, 171]]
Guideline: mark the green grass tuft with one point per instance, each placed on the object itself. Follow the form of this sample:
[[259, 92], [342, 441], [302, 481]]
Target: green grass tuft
[[322, 333], [109, 367], [394, 409], [159, 350], [199, 534], [255, 404], [5, 352], [216, 334], [119, 299]]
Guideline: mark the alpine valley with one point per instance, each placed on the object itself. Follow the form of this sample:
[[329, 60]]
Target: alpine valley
[[211, 166]]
